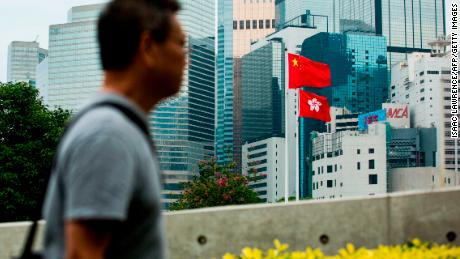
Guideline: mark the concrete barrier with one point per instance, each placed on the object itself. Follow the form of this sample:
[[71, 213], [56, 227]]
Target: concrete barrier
[[391, 219]]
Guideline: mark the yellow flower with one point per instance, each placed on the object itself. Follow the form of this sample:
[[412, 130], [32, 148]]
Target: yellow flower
[[229, 256], [280, 247], [249, 253]]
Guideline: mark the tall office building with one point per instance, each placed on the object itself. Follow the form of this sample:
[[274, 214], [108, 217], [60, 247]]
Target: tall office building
[[224, 139], [183, 126], [408, 25], [23, 58], [74, 68], [423, 82], [262, 91], [252, 20], [359, 82]]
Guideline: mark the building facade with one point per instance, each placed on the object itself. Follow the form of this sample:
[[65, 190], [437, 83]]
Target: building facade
[[262, 91], [42, 82], [183, 125], [408, 25], [419, 178], [252, 20], [265, 159], [224, 139], [359, 82], [74, 68], [423, 82], [349, 163], [23, 58]]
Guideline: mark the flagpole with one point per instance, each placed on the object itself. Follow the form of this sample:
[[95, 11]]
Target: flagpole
[[286, 126], [297, 147]]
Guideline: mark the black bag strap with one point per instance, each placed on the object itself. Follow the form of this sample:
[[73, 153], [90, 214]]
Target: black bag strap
[[128, 113]]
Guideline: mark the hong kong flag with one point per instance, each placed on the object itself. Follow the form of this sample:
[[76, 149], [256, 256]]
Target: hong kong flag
[[314, 106], [306, 72]]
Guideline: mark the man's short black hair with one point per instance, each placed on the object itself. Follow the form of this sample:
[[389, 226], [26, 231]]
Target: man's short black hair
[[121, 24]]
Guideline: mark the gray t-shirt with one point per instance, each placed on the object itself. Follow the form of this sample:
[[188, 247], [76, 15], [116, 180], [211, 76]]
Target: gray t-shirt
[[106, 171]]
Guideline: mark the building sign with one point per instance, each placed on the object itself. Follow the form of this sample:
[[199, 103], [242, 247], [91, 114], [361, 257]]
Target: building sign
[[397, 115], [369, 118]]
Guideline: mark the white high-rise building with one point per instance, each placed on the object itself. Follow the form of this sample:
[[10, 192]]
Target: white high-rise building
[[266, 157], [423, 82], [350, 163], [75, 73], [23, 57]]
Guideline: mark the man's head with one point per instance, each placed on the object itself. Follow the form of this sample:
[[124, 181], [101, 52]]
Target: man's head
[[144, 36]]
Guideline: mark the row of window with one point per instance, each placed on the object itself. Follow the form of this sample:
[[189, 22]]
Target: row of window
[[370, 151], [256, 24], [373, 179]]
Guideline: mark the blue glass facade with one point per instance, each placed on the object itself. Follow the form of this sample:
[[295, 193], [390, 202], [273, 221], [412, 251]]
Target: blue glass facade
[[224, 84], [262, 92], [183, 126], [359, 81], [408, 25]]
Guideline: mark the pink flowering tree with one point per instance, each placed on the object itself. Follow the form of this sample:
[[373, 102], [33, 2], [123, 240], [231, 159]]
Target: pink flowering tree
[[216, 185]]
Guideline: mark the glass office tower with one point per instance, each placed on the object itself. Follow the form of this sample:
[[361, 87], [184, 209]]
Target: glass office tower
[[262, 92], [74, 68], [224, 84], [359, 81], [183, 126], [408, 25], [23, 58]]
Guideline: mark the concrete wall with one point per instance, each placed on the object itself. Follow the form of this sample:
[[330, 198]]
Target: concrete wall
[[420, 178], [389, 219]]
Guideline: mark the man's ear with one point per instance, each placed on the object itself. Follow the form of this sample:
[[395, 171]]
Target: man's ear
[[148, 49]]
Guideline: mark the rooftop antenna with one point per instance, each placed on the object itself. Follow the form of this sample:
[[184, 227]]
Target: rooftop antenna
[[36, 38]]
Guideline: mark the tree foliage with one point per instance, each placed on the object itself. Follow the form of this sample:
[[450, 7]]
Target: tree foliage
[[28, 137], [216, 185]]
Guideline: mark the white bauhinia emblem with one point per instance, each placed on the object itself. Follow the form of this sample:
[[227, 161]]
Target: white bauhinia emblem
[[314, 104]]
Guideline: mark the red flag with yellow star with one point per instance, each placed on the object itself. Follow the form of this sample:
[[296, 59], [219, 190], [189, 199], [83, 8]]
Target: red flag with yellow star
[[306, 72]]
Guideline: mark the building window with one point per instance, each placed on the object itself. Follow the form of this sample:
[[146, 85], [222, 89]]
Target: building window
[[341, 184], [241, 25], [321, 183], [422, 81], [273, 23], [261, 24], [267, 24], [432, 72], [358, 151], [319, 170], [358, 165], [448, 180], [248, 24], [372, 179], [371, 151], [235, 25], [372, 164], [254, 24], [329, 168], [329, 183], [421, 73], [335, 168]]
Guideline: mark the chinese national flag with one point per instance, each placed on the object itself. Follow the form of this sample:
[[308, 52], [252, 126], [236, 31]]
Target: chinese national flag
[[306, 72], [314, 106]]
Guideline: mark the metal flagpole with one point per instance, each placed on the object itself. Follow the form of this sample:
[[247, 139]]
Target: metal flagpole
[[286, 126], [297, 138]]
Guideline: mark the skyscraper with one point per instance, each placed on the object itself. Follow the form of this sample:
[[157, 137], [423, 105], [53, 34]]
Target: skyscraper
[[252, 20], [183, 126], [262, 92], [42, 81], [359, 82], [74, 68], [408, 25], [224, 83], [23, 57]]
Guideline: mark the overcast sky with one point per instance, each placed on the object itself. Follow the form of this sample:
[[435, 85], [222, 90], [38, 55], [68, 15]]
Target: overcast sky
[[23, 20]]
